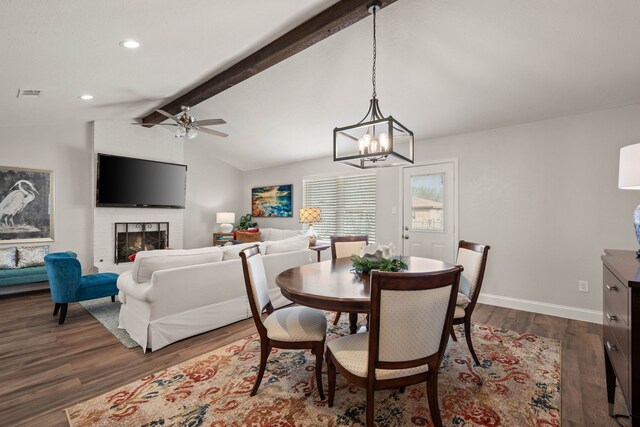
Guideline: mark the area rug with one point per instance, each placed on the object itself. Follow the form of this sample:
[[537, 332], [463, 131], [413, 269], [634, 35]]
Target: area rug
[[107, 312], [518, 384]]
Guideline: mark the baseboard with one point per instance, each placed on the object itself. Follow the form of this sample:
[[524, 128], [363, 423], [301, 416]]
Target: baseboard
[[542, 308]]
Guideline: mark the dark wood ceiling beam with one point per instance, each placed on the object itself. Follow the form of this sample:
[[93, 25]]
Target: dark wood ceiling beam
[[328, 22]]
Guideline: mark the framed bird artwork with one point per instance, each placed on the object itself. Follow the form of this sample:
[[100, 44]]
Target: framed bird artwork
[[26, 205]]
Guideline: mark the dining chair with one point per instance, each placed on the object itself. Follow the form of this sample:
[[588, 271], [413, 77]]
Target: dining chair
[[473, 257], [411, 315], [344, 247], [290, 327]]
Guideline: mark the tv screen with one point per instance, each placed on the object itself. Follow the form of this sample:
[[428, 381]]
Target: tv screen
[[128, 182]]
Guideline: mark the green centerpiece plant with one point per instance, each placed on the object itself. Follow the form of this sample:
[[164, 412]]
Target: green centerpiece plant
[[377, 257]]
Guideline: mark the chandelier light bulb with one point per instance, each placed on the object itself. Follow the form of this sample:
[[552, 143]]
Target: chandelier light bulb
[[384, 141]]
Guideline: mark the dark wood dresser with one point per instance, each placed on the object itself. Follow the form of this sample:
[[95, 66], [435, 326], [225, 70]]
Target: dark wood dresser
[[621, 334]]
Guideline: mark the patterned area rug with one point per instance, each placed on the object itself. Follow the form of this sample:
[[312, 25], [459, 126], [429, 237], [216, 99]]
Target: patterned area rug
[[518, 384], [107, 312]]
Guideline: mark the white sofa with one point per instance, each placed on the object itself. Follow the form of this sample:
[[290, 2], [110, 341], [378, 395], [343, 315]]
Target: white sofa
[[172, 295]]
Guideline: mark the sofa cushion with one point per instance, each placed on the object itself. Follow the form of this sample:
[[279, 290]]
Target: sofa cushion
[[31, 256], [233, 251], [17, 276], [149, 261], [287, 245], [271, 234], [8, 257]]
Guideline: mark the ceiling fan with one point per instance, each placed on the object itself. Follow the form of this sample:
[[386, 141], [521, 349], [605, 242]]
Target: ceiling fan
[[187, 126]]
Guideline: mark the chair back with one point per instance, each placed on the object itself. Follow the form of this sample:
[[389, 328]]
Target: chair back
[[411, 315], [473, 257], [64, 272], [345, 246], [255, 280]]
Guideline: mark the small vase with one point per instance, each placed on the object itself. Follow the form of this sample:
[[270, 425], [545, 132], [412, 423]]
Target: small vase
[[636, 224]]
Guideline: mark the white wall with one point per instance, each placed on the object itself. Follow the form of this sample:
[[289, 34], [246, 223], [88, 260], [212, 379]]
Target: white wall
[[543, 195], [65, 149], [212, 186]]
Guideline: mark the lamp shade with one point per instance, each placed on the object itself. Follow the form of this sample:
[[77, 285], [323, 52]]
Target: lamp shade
[[629, 172], [225, 217], [309, 215]]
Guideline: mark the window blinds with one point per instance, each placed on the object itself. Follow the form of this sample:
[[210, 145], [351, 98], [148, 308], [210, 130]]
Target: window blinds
[[347, 204]]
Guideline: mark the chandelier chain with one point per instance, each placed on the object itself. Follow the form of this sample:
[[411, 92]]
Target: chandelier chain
[[373, 71]]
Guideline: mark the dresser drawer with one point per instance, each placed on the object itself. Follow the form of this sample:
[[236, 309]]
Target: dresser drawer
[[617, 326], [618, 359], [616, 295]]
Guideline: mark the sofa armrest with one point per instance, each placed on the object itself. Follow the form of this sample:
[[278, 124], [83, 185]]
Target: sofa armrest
[[139, 291]]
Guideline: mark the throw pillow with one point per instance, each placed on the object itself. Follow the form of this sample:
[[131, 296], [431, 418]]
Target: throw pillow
[[247, 236], [148, 262], [233, 252], [291, 244], [277, 234], [31, 256], [8, 257]]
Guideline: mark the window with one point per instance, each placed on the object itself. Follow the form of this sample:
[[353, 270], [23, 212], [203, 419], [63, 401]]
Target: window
[[427, 196], [347, 205]]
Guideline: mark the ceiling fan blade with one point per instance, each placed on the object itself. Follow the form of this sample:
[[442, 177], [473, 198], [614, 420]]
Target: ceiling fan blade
[[159, 124], [213, 132], [164, 113], [210, 122]]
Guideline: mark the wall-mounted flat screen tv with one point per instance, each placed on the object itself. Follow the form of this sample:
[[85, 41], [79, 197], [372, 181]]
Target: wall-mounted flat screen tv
[[129, 182]]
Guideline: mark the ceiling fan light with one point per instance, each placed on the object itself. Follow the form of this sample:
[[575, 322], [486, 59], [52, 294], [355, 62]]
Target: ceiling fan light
[[192, 133], [180, 132]]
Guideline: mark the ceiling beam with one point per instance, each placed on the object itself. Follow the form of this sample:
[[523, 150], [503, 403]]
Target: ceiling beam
[[325, 24]]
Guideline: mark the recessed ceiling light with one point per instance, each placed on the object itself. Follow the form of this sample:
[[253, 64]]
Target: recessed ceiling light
[[86, 97], [130, 44]]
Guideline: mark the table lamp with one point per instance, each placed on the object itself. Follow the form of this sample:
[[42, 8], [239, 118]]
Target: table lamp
[[310, 216], [225, 219], [629, 178]]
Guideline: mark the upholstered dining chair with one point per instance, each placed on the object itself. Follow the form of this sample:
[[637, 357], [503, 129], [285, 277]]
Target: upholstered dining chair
[[289, 327], [411, 315], [69, 285], [344, 247], [473, 257]]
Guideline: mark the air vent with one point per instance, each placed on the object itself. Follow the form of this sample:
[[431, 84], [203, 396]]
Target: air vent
[[28, 93]]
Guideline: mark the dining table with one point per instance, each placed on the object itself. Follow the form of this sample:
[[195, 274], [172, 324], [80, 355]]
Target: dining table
[[334, 286]]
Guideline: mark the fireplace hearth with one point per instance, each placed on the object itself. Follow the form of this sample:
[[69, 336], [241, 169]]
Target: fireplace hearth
[[133, 237]]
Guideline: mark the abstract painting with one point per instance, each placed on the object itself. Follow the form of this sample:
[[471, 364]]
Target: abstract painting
[[272, 201], [26, 205]]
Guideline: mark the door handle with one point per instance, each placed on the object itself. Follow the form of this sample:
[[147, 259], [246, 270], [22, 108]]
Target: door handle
[[611, 347], [405, 237], [612, 288], [406, 229], [612, 317]]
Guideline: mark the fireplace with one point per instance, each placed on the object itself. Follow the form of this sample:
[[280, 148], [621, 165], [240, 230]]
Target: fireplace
[[133, 237]]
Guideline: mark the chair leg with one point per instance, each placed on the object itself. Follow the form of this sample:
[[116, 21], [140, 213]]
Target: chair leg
[[113, 298], [402, 389], [63, 313], [319, 349], [432, 397], [337, 318], [453, 334], [56, 309], [370, 405], [332, 379], [467, 334], [265, 349]]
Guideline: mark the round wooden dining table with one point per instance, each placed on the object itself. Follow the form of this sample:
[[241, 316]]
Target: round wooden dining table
[[333, 286]]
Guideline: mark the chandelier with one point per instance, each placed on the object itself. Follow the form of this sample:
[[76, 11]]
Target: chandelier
[[375, 141]]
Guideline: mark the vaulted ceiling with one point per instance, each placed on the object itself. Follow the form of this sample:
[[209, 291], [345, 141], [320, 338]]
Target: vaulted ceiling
[[444, 67]]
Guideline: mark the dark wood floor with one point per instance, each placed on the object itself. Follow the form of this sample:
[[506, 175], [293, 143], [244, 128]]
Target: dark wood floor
[[45, 367]]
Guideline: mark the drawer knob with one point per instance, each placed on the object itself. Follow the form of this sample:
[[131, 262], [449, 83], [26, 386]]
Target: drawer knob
[[611, 347], [612, 317], [612, 288]]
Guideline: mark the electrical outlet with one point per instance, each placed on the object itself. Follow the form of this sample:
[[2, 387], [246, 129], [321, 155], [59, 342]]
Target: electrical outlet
[[583, 286]]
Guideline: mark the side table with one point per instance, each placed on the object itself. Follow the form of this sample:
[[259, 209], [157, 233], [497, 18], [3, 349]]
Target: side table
[[319, 248]]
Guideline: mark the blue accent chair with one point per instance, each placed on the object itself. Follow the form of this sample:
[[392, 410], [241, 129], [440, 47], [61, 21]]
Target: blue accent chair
[[69, 285]]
